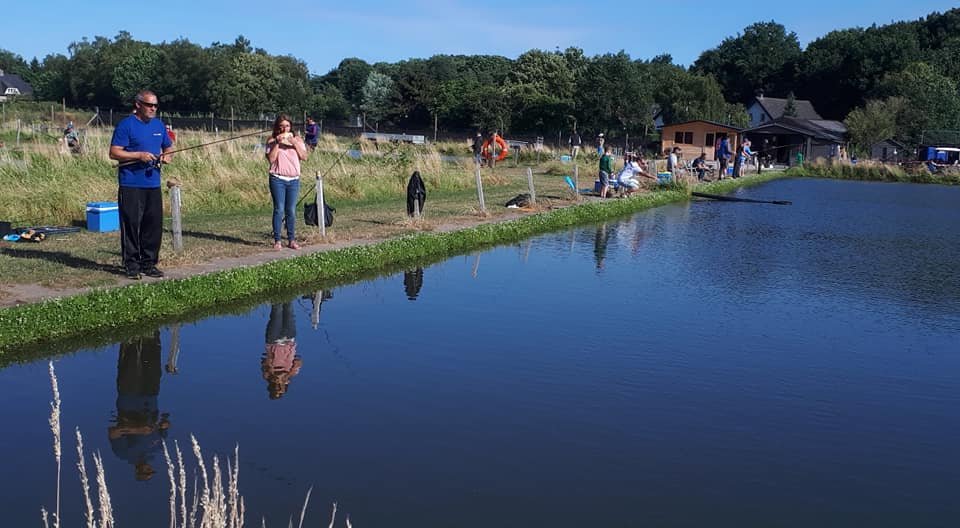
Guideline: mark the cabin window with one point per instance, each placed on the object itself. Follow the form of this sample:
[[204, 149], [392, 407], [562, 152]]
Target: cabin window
[[709, 141], [763, 117], [688, 138], [678, 137]]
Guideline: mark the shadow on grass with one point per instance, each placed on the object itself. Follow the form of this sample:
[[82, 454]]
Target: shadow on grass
[[219, 238], [65, 259]]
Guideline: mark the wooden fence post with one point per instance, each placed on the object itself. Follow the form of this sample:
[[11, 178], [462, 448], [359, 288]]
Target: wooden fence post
[[483, 206]]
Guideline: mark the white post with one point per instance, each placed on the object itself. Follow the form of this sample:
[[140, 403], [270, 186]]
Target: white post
[[483, 206], [315, 313], [416, 209], [177, 219], [576, 181], [321, 209], [533, 192]]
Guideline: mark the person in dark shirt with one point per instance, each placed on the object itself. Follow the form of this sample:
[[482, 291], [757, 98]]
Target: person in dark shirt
[[477, 148], [700, 165], [311, 132], [575, 142]]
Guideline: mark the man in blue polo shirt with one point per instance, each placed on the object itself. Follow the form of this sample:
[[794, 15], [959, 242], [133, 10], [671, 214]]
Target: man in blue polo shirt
[[140, 143]]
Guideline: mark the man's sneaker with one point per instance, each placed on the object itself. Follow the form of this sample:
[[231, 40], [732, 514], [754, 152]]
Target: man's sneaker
[[133, 274], [153, 272]]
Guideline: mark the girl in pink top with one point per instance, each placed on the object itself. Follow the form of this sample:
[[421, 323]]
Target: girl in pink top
[[285, 151]]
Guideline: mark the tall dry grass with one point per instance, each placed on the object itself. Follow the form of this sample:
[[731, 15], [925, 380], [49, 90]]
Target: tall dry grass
[[42, 182], [211, 506]]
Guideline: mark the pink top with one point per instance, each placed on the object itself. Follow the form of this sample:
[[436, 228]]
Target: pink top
[[280, 357], [287, 163]]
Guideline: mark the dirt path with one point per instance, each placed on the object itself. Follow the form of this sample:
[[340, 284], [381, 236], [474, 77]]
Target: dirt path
[[28, 293]]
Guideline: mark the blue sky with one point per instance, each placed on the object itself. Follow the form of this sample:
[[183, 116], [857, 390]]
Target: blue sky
[[323, 33]]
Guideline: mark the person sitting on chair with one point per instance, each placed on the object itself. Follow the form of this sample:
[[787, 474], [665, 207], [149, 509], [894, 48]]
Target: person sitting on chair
[[700, 166]]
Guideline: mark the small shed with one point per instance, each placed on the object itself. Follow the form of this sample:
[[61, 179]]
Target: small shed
[[888, 151], [696, 137], [780, 140]]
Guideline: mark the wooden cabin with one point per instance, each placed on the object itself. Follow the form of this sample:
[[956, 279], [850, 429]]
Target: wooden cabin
[[694, 137]]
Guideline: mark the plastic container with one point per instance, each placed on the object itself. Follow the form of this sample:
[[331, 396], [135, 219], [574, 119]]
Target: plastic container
[[565, 159], [663, 177], [103, 216]]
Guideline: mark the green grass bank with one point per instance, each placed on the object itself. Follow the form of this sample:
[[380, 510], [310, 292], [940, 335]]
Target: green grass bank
[[103, 310]]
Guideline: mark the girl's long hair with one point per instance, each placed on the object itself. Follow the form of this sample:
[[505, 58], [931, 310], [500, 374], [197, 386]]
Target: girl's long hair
[[280, 119]]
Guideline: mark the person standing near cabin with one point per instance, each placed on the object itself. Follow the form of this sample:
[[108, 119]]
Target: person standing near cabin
[[600, 142], [285, 151], [723, 155], [141, 144], [575, 142], [311, 132]]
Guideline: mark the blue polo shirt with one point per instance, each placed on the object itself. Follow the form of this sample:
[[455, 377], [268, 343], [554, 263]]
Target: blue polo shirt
[[136, 136]]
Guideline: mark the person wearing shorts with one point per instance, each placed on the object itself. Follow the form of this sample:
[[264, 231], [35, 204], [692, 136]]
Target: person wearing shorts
[[606, 169]]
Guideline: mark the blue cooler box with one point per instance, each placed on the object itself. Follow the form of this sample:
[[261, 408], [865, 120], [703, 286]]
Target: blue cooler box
[[103, 216], [664, 177]]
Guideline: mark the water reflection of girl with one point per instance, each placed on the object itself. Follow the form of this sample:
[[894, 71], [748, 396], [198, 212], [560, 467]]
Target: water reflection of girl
[[280, 361]]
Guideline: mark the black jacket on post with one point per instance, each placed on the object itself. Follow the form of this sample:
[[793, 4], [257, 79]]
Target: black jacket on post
[[416, 193]]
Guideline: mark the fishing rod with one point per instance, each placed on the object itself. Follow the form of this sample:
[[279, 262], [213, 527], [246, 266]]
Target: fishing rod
[[156, 162], [332, 165], [733, 199]]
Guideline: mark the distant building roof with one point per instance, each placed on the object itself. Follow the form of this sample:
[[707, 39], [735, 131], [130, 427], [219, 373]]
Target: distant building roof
[[775, 107], [820, 129], [12, 84], [714, 123]]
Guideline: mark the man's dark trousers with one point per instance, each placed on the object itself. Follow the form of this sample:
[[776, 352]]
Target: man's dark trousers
[[141, 227]]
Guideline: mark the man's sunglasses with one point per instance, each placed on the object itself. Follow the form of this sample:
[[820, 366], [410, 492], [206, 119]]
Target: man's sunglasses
[[151, 105]]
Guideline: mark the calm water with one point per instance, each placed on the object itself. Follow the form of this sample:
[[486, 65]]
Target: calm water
[[714, 364]]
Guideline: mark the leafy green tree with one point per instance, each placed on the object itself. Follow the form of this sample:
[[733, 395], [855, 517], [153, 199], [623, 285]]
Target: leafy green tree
[[841, 69], [377, 94], [932, 101], [615, 95], [876, 121], [762, 58], [350, 76], [136, 72], [249, 83], [790, 108], [10, 62]]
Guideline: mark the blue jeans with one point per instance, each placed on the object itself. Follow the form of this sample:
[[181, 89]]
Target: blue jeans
[[284, 194]]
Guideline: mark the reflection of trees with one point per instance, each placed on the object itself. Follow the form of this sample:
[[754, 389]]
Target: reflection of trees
[[138, 431], [412, 283]]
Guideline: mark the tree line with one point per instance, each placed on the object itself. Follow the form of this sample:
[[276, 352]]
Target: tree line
[[907, 70]]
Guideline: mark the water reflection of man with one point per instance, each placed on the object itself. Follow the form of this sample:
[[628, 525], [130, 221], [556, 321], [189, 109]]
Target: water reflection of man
[[412, 282], [280, 361], [139, 429], [600, 240]]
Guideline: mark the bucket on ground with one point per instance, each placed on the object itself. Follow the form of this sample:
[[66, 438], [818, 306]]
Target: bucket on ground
[[103, 216]]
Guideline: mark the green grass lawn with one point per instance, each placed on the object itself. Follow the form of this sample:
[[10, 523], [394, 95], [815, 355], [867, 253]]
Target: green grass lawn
[[89, 259]]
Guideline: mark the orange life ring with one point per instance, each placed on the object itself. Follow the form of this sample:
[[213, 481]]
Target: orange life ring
[[504, 149]]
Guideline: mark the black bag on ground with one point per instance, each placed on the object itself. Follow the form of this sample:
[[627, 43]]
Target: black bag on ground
[[416, 193], [310, 214]]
